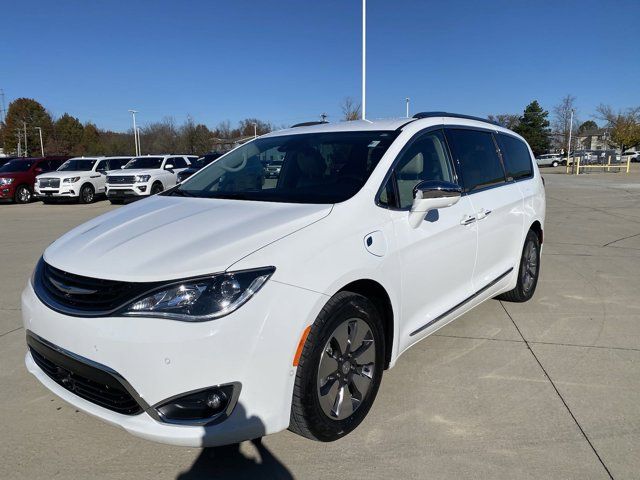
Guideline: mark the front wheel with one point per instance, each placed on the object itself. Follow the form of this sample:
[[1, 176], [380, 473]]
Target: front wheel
[[156, 188], [555, 164], [528, 272], [23, 194], [87, 194], [340, 369]]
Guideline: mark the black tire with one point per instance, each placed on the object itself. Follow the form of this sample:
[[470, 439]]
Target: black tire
[[528, 272], [308, 418], [87, 194], [156, 188], [22, 194]]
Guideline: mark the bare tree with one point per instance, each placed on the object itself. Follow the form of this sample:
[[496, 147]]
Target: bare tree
[[506, 120], [350, 109], [623, 126], [562, 119]]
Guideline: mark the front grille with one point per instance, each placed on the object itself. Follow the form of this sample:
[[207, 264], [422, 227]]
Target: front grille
[[97, 385], [49, 182], [84, 296], [120, 179]]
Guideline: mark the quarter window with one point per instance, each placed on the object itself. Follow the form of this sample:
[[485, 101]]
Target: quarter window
[[517, 160], [425, 159], [477, 158]]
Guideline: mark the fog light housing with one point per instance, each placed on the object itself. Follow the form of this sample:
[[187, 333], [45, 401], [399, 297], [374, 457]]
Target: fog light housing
[[200, 407], [142, 188]]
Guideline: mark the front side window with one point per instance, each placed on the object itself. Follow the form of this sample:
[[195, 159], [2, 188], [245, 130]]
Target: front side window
[[72, 165], [102, 166], [426, 158], [477, 157], [517, 160], [177, 162], [144, 162], [316, 168]]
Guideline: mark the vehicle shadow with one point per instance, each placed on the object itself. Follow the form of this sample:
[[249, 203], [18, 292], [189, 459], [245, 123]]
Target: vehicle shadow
[[230, 462]]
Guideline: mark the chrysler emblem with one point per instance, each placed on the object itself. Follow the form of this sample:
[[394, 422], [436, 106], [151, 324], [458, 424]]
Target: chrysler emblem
[[69, 290]]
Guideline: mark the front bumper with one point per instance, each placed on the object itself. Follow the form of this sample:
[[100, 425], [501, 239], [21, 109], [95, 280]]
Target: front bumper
[[160, 359], [127, 191], [68, 190]]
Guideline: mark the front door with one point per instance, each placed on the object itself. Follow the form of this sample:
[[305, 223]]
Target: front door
[[436, 259]]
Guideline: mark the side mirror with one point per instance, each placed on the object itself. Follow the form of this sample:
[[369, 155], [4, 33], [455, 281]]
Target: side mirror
[[122, 167], [168, 166], [432, 195]]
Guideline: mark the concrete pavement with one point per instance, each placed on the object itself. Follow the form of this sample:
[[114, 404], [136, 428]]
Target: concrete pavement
[[546, 389]]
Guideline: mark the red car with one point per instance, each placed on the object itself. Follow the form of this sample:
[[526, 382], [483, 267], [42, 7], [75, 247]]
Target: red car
[[18, 176]]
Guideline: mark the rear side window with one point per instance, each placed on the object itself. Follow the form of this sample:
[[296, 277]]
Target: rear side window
[[517, 160], [477, 157]]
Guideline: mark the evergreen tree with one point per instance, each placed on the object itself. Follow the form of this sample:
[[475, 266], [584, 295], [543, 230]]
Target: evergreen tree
[[534, 127], [25, 111], [91, 143], [67, 136]]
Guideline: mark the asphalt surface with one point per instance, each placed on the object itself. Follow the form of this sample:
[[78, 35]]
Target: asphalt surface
[[546, 389]]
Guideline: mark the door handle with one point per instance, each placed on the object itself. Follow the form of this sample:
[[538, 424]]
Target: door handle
[[483, 213], [467, 220]]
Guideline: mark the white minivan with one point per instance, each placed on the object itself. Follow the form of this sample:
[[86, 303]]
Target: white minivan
[[227, 308]]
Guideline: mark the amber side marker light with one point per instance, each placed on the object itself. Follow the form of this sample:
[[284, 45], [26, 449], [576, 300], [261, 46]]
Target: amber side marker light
[[303, 339]]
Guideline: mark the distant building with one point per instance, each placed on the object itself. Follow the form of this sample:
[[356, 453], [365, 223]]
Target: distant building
[[596, 139]]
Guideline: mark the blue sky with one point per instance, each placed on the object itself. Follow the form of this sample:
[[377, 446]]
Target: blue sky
[[288, 61]]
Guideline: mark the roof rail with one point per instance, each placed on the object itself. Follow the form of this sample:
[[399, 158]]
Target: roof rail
[[306, 124], [453, 115]]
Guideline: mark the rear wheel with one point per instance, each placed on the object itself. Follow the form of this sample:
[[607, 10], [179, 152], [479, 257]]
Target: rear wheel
[[87, 194], [528, 272], [555, 163], [340, 369], [22, 195]]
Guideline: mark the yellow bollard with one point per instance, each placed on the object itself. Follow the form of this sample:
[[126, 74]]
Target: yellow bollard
[[609, 164], [578, 166], [628, 163]]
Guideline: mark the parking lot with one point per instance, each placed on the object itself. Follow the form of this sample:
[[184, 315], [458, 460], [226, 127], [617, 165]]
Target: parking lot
[[545, 389]]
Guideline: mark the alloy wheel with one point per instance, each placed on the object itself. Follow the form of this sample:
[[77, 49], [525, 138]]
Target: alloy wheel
[[24, 195], [346, 369], [87, 195], [529, 266]]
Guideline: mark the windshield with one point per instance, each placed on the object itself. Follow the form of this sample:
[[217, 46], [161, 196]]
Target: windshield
[[17, 166], [316, 168], [72, 165], [144, 162]]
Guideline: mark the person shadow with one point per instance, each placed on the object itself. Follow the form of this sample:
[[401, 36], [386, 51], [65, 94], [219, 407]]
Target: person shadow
[[230, 462]]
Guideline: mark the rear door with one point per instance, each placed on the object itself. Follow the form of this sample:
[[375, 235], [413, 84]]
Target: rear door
[[496, 201]]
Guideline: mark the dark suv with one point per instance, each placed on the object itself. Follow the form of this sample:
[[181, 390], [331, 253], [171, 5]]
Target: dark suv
[[18, 176], [202, 162]]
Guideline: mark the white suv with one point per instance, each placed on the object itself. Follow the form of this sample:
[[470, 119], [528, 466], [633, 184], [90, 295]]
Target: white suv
[[144, 176], [291, 296], [81, 178]]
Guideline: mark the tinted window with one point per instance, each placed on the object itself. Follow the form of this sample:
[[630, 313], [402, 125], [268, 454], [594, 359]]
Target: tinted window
[[117, 163], [177, 162], [17, 166], [79, 165], [426, 158], [55, 164], [517, 160], [476, 154], [102, 166]]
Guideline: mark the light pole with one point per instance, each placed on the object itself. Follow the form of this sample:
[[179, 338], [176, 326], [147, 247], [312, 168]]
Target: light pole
[[255, 130], [138, 130], [24, 124], [407, 100], [41, 144], [135, 132], [569, 145], [364, 59]]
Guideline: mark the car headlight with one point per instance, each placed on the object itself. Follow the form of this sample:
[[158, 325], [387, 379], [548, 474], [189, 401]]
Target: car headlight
[[71, 180], [201, 299], [142, 178], [6, 181]]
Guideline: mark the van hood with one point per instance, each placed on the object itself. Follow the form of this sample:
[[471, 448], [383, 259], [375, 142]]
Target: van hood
[[167, 238]]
